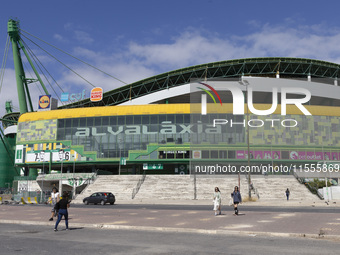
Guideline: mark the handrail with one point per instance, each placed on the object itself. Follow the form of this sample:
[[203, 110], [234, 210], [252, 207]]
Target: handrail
[[139, 184], [88, 182], [252, 188], [300, 180], [314, 190]]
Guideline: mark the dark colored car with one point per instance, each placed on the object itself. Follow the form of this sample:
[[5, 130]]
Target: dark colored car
[[100, 198]]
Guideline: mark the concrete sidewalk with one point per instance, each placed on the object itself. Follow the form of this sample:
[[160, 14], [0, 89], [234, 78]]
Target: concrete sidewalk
[[296, 224]]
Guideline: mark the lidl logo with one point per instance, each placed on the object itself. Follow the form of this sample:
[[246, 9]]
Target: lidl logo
[[44, 101]]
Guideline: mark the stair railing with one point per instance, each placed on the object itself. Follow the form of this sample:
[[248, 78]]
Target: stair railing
[[139, 184]]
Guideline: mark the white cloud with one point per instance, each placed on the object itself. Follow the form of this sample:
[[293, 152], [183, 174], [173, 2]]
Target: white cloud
[[192, 47], [138, 61], [59, 38], [83, 37]]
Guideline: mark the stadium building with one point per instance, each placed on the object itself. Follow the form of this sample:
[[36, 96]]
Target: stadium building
[[258, 111], [157, 124]]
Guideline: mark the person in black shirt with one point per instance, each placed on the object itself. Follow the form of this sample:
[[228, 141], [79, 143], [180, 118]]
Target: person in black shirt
[[62, 205]]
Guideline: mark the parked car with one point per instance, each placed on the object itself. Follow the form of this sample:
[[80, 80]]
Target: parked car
[[100, 198]]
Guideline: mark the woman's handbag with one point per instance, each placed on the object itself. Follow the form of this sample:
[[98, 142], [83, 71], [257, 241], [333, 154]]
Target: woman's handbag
[[230, 202], [57, 206]]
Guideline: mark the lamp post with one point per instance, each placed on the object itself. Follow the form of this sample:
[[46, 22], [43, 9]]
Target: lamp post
[[120, 153], [246, 83], [74, 181], [42, 181], [61, 158]]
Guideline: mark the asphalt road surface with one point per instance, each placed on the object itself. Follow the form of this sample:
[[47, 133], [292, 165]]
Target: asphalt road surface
[[208, 208], [38, 240]]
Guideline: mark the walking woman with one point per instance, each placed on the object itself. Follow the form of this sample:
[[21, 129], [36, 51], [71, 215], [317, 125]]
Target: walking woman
[[217, 201], [63, 204], [54, 199], [236, 195], [287, 193]]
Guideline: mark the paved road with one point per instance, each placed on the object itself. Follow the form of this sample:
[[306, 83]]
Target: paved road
[[39, 240], [189, 207], [174, 219]]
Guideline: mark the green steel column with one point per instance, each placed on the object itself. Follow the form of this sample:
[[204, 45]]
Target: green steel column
[[33, 67], [7, 169], [9, 107], [13, 32], [33, 172]]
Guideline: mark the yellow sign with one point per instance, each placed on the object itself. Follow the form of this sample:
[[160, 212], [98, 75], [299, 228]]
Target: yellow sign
[[96, 94], [44, 101]]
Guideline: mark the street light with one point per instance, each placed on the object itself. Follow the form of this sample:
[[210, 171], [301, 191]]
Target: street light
[[61, 158], [246, 83], [42, 186], [120, 153], [74, 181]]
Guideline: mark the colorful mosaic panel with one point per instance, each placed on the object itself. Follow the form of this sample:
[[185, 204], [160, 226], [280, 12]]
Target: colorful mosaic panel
[[310, 131], [33, 131]]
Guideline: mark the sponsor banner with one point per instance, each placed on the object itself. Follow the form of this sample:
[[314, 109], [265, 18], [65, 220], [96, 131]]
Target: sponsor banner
[[311, 155], [96, 94], [57, 156], [46, 152], [72, 97], [46, 102]]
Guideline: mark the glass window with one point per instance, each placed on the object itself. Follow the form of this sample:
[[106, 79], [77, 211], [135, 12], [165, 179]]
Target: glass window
[[195, 118], [137, 119], [75, 122], [170, 117], [129, 120], [205, 154], [145, 119], [61, 134], [214, 154], [89, 122], [231, 154], [179, 118], [186, 118], [212, 117], [205, 119], [121, 120], [170, 155], [68, 123], [113, 121], [97, 121], [61, 123], [180, 154], [223, 154], [82, 122], [105, 121], [161, 118], [154, 119]]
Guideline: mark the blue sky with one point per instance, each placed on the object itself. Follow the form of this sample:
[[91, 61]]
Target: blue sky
[[132, 40]]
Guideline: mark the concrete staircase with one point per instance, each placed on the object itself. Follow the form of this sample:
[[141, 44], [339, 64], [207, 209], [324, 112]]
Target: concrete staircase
[[120, 185], [181, 187], [168, 187], [272, 187]]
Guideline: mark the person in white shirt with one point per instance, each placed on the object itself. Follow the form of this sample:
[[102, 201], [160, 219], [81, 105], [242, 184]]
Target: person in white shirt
[[54, 199]]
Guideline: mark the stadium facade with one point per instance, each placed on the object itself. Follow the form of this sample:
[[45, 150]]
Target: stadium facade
[[157, 124]]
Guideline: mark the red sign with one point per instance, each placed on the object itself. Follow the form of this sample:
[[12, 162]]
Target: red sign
[[96, 94]]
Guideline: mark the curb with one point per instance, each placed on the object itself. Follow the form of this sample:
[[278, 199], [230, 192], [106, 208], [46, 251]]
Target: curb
[[183, 230]]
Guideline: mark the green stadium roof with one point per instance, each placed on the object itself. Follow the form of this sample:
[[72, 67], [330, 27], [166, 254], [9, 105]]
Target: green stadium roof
[[267, 67]]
